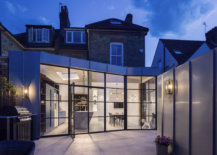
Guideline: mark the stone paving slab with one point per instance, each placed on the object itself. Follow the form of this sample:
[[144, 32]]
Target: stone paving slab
[[109, 143]]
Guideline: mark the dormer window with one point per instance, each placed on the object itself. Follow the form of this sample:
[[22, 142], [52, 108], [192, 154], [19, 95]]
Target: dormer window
[[75, 37], [39, 35]]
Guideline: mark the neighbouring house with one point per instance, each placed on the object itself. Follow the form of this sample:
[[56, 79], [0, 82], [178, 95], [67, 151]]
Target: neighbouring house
[[112, 41], [171, 53], [7, 43]]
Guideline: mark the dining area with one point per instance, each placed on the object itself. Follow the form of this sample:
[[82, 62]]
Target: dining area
[[116, 119]]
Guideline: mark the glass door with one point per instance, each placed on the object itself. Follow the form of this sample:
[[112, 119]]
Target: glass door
[[79, 110]]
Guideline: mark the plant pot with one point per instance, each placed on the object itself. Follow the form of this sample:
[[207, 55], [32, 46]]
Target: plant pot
[[162, 149]]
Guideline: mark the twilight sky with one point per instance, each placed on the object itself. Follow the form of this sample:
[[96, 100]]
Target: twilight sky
[[171, 19]]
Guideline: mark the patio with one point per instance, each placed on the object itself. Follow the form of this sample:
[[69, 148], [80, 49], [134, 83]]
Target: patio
[[120, 142]]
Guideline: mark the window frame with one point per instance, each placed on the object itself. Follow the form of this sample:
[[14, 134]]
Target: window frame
[[82, 33], [122, 52], [42, 37], [71, 33], [48, 35]]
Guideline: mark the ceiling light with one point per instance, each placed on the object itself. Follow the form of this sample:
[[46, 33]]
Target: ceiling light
[[64, 75]]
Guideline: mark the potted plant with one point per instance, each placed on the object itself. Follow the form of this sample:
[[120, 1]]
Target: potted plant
[[162, 144]]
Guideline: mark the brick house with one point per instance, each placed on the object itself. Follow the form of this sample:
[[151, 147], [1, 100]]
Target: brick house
[[111, 41], [104, 37], [7, 42]]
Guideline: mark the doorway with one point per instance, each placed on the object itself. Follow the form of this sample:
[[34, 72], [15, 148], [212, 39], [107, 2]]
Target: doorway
[[78, 110]]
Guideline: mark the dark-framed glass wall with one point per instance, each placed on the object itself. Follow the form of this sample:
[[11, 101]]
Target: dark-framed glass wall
[[80, 100], [141, 102], [134, 102], [96, 100], [54, 100], [114, 102], [148, 98]]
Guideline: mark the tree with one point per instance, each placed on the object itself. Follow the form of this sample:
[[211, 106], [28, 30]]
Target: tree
[[8, 92]]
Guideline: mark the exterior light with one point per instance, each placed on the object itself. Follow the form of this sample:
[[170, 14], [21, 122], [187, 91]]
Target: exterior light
[[169, 86], [25, 92]]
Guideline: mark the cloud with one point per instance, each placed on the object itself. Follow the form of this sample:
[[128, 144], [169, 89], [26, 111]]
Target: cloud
[[21, 8], [10, 7], [44, 20], [171, 16], [14, 8], [139, 15], [192, 30]]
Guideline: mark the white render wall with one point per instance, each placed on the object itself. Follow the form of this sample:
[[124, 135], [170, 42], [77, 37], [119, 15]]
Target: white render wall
[[187, 115]]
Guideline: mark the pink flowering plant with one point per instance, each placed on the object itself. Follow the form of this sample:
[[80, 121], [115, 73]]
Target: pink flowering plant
[[162, 140]]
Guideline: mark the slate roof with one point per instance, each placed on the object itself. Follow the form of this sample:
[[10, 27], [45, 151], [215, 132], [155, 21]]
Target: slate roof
[[182, 50], [39, 26], [21, 37], [107, 24], [211, 38]]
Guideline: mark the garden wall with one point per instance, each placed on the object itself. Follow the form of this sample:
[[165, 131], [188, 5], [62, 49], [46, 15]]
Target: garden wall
[[188, 115]]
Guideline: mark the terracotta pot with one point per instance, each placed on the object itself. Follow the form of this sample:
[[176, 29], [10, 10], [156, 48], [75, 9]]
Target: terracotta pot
[[162, 149]]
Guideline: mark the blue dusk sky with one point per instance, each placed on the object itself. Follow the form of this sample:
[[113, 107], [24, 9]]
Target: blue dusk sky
[[170, 19]]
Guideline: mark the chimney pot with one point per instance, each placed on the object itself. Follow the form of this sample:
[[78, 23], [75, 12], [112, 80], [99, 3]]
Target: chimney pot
[[64, 18], [129, 18]]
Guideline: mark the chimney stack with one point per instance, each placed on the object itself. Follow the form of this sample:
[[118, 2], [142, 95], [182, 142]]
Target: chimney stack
[[129, 18], [64, 18]]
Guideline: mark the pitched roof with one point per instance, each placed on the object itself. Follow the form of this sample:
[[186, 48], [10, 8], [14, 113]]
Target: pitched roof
[[10, 34], [116, 24], [211, 38], [39, 26], [182, 50]]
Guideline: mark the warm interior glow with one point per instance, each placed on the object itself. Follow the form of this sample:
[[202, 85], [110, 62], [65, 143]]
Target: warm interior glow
[[64, 75]]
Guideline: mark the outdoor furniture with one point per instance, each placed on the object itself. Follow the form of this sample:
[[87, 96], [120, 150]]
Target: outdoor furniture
[[17, 147], [15, 123]]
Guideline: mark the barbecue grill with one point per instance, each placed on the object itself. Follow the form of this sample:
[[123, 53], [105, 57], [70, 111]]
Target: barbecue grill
[[15, 123]]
